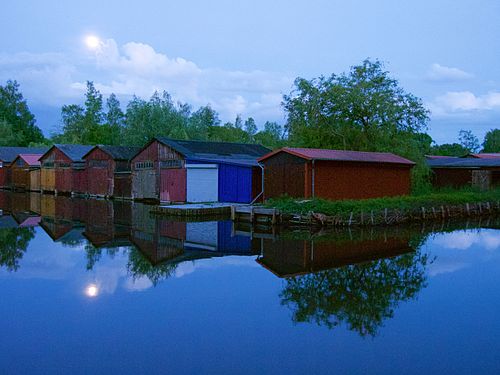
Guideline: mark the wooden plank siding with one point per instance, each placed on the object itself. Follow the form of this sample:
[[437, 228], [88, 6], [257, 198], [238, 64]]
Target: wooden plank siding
[[100, 168], [147, 176], [287, 174], [20, 175], [5, 175]]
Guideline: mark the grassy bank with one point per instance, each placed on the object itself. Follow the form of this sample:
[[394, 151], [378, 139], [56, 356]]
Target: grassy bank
[[403, 204]]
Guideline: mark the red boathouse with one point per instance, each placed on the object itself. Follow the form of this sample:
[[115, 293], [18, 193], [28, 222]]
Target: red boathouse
[[334, 174], [108, 171]]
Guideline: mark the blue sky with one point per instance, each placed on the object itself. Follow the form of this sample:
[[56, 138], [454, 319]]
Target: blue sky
[[242, 56]]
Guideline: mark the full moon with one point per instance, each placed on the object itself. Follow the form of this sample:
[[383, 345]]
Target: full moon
[[92, 42], [92, 290]]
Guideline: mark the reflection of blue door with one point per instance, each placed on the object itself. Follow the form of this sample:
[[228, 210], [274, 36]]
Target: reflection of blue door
[[229, 244], [235, 184]]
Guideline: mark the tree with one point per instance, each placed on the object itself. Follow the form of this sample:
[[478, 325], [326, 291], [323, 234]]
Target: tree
[[8, 136], [271, 136], [364, 110], [449, 149], [250, 126], [201, 121], [469, 141], [15, 112], [157, 117], [492, 141], [115, 121]]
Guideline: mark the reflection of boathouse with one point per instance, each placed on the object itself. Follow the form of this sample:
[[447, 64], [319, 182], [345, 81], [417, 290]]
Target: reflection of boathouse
[[291, 257]]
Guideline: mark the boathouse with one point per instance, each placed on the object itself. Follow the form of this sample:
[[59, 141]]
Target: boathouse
[[26, 172], [108, 170], [197, 171], [333, 174], [7, 156], [63, 169], [479, 172]]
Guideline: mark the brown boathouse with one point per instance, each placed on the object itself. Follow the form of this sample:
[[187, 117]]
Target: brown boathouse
[[333, 174], [108, 171], [26, 172]]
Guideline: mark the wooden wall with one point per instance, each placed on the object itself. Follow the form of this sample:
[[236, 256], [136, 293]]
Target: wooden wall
[[100, 171], [284, 174]]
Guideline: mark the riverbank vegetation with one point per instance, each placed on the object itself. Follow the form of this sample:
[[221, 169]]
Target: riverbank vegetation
[[411, 203]]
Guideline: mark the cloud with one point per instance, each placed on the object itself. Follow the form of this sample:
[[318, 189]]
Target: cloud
[[439, 72], [458, 102], [138, 69]]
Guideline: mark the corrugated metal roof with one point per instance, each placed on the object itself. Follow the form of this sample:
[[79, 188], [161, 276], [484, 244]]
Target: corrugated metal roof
[[31, 159], [484, 156], [439, 157], [118, 152], [8, 154], [340, 155], [213, 150], [74, 152], [463, 163], [240, 162]]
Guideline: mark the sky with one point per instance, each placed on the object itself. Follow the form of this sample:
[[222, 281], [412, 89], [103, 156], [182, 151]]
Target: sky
[[241, 57]]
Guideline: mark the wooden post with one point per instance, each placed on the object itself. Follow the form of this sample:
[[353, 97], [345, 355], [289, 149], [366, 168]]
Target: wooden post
[[350, 219], [252, 217], [467, 209], [362, 218], [423, 213], [371, 216], [233, 213], [442, 212], [385, 215], [274, 217]]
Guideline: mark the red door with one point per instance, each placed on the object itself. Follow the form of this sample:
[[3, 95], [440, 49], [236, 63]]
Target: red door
[[173, 185]]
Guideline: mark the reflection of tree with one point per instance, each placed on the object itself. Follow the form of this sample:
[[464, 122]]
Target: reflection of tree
[[361, 296], [13, 244], [94, 254], [139, 266]]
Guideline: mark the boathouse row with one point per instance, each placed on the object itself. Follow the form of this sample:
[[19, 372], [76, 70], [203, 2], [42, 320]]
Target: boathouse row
[[334, 174], [196, 171]]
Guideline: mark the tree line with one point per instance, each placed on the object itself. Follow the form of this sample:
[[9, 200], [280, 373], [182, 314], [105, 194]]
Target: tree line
[[364, 109]]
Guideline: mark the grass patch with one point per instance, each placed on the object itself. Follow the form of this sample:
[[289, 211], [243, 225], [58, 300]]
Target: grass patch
[[403, 203]]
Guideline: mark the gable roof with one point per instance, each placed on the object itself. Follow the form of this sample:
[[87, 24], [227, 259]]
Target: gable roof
[[8, 154], [463, 163], [340, 155], [198, 150], [430, 157], [74, 152], [117, 152], [31, 159]]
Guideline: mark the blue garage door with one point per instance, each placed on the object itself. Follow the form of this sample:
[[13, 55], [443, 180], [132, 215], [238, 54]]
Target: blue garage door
[[235, 184]]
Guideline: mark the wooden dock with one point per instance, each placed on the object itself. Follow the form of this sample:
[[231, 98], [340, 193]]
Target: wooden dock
[[194, 210], [255, 214]]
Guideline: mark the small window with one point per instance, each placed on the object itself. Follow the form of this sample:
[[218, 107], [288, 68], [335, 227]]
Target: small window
[[170, 164], [144, 165]]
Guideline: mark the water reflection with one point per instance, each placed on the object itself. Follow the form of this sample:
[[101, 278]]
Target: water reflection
[[354, 278]]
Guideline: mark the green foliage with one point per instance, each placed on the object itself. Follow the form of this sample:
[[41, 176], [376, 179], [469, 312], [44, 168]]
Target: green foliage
[[344, 207], [13, 245], [469, 141], [363, 110], [8, 136], [16, 120], [492, 141], [89, 124], [449, 149], [271, 136]]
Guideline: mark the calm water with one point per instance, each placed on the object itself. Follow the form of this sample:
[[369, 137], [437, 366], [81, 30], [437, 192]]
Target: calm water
[[89, 287]]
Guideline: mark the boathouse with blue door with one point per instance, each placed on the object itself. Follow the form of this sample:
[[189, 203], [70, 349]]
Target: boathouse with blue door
[[197, 171]]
